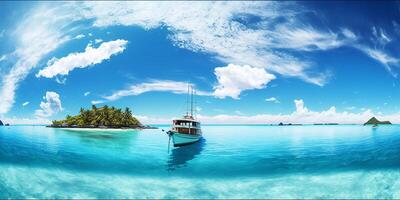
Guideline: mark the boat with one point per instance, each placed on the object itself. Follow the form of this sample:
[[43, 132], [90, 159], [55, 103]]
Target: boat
[[186, 130]]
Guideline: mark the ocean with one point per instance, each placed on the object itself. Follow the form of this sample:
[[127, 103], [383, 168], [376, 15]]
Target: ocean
[[231, 161]]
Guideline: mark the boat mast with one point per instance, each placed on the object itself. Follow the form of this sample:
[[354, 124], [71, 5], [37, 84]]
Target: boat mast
[[187, 102], [195, 105], [191, 103]]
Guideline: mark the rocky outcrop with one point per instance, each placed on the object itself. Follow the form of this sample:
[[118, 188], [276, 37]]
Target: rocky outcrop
[[1, 123], [374, 121]]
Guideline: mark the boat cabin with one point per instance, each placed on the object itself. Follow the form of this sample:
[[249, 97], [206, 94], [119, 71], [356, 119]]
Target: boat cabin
[[186, 126]]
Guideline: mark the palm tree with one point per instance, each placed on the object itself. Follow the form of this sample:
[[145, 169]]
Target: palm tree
[[101, 116], [127, 115]]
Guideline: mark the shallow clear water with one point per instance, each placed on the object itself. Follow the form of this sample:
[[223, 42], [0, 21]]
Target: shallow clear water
[[348, 161]]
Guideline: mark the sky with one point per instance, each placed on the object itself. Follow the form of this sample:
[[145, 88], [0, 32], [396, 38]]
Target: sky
[[250, 62]]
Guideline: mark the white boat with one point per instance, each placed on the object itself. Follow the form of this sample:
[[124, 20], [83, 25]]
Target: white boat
[[186, 130]]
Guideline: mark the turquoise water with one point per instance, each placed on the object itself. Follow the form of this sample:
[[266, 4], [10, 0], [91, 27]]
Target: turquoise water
[[348, 161]]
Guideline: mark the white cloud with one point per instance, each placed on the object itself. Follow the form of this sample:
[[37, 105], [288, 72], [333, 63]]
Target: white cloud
[[25, 103], [50, 106], [349, 34], [86, 93], [97, 102], [26, 121], [43, 30], [300, 106], [217, 28], [153, 86], [233, 79], [90, 56], [301, 115], [61, 80], [153, 120], [306, 38], [380, 36], [380, 39], [98, 41], [3, 57], [79, 36], [272, 99], [385, 59]]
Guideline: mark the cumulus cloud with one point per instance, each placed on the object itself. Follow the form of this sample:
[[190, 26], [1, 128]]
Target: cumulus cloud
[[233, 79], [25, 103], [90, 56], [272, 99], [300, 106], [50, 106], [301, 115]]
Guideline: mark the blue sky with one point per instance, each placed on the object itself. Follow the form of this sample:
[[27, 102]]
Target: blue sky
[[251, 62]]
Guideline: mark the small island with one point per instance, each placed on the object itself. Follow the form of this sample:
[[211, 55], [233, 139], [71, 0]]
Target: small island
[[103, 118], [374, 121]]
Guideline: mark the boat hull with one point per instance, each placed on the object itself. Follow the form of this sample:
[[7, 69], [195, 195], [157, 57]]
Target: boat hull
[[180, 139]]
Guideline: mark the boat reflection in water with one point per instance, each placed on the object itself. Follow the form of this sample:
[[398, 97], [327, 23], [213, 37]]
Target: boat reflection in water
[[180, 156]]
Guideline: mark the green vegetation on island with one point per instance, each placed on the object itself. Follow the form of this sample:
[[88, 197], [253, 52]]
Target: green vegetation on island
[[374, 121], [103, 117], [1, 124]]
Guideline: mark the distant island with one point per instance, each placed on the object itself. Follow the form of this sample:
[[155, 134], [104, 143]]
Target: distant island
[[374, 121], [289, 124], [103, 117], [326, 124], [1, 124]]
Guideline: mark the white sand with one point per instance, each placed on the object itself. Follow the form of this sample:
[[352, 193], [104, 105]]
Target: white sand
[[97, 129]]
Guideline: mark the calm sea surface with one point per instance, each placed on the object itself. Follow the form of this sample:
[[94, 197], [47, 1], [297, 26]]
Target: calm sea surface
[[348, 161]]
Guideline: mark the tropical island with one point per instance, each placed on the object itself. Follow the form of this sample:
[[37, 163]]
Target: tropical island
[[1, 124], [374, 121], [104, 117]]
